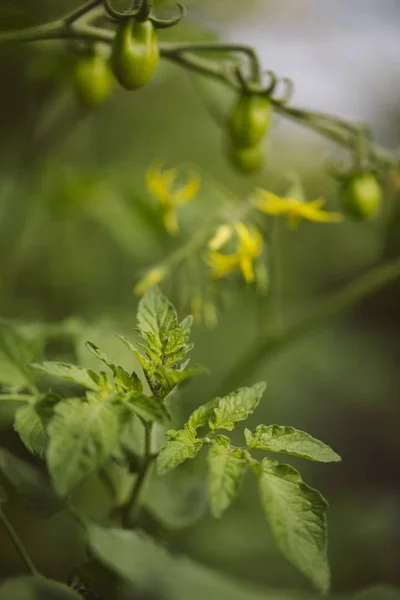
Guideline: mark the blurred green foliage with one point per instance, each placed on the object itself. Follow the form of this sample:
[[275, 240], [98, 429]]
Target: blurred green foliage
[[78, 229]]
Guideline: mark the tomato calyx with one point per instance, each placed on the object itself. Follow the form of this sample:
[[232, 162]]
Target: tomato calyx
[[142, 13]]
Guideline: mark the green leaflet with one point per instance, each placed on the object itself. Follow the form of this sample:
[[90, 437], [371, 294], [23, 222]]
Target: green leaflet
[[236, 407], [199, 418], [166, 343], [32, 484], [122, 378], [83, 434], [71, 373], [149, 408], [137, 558], [178, 499], [296, 514], [288, 440], [95, 350], [166, 338], [36, 588], [226, 468], [180, 446], [16, 354], [157, 315], [170, 378], [31, 423]]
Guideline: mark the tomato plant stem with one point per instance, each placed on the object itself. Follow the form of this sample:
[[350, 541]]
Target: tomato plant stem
[[18, 544], [132, 507], [261, 350]]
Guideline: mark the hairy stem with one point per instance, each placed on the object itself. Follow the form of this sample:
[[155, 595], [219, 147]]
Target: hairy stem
[[18, 544], [262, 350], [132, 507]]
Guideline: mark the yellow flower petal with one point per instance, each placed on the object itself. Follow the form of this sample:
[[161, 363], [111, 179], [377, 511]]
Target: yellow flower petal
[[295, 209], [250, 240], [221, 237], [270, 203], [222, 264], [186, 193], [152, 277], [246, 266]]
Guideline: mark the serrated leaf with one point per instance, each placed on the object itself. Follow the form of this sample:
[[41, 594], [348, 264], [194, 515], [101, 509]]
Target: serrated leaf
[[36, 588], [31, 423], [95, 350], [121, 377], [156, 314], [139, 559], [32, 484], [287, 440], [180, 446], [83, 435], [71, 373], [146, 365], [149, 408], [226, 468], [296, 514], [199, 418], [177, 499], [170, 378], [16, 354], [236, 407]]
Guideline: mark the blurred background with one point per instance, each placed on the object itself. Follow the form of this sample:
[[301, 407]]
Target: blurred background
[[78, 229]]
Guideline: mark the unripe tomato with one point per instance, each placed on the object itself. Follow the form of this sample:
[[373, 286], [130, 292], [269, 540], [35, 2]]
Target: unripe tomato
[[93, 80], [362, 196], [247, 160], [250, 120], [135, 53]]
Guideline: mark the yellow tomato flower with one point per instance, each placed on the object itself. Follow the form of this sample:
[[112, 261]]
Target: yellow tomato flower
[[152, 277], [161, 185], [249, 247], [294, 208]]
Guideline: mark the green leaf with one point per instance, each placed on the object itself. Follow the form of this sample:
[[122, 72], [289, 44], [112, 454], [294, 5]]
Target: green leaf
[[16, 354], [157, 315], [83, 434], [31, 423], [36, 588], [149, 408], [226, 468], [236, 407], [95, 350], [129, 553], [166, 338], [32, 484], [199, 418], [121, 377], [296, 514], [180, 446], [288, 440], [178, 499], [140, 560], [71, 373], [170, 378]]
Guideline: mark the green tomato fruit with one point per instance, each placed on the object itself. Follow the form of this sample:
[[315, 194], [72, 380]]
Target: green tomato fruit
[[247, 160], [250, 120], [93, 80], [135, 53], [361, 196]]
